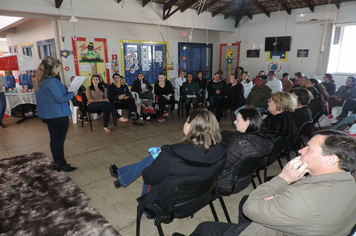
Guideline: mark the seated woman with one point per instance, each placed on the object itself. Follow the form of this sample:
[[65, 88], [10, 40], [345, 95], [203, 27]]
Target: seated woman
[[190, 91], [245, 81], [280, 121], [165, 95], [329, 84], [121, 97], [302, 114], [98, 102], [142, 87], [202, 86], [232, 97], [250, 140], [320, 96], [200, 155]]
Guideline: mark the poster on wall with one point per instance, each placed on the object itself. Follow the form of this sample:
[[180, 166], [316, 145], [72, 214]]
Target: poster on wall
[[303, 53], [283, 55], [253, 53], [230, 53], [276, 66], [90, 52]]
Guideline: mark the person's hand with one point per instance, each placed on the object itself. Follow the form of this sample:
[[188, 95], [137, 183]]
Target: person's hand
[[250, 106], [144, 90], [294, 170], [75, 93], [121, 96], [217, 92], [122, 119], [168, 97], [106, 100], [200, 90], [126, 97]]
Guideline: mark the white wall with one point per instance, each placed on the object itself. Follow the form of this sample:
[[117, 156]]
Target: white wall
[[3, 46]]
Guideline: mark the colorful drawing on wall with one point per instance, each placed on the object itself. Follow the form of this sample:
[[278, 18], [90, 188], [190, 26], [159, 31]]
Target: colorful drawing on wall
[[283, 56], [64, 53], [127, 57], [66, 68], [136, 67], [132, 70], [127, 67], [90, 52], [184, 58], [230, 53], [136, 61], [275, 66], [184, 34]]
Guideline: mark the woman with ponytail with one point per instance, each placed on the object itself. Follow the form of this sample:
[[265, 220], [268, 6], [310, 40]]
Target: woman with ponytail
[[52, 106]]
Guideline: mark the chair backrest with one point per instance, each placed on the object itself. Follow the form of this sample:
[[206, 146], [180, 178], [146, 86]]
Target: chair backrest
[[317, 117], [84, 99], [303, 130], [188, 191], [280, 144]]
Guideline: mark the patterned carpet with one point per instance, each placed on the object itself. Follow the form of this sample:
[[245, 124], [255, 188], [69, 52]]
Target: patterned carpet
[[36, 200]]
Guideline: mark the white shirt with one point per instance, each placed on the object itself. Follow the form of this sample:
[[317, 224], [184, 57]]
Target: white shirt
[[247, 87], [275, 85], [1, 84], [178, 82]]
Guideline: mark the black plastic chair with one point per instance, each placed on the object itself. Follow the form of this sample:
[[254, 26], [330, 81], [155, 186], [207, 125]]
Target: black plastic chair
[[246, 167], [86, 109], [297, 140], [187, 192], [316, 121], [280, 149]]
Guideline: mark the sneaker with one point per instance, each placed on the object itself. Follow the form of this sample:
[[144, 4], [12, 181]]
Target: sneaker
[[138, 123], [161, 119], [341, 117], [148, 118], [134, 115], [165, 114]]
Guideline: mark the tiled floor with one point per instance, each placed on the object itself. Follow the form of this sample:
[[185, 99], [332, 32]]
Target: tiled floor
[[93, 152]]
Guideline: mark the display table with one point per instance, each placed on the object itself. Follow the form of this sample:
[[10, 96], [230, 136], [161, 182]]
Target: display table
[[15, 99]]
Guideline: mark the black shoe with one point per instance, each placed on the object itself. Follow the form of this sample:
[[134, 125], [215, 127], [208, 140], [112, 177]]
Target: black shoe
[[113, 171], [134, 115], [66, 167], [2, 125], [117, 184], [138, 123], [86, 120], [178, 234], [81, 117]]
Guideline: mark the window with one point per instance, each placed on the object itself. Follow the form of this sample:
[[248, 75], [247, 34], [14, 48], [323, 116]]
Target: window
[[46, 48], [342, 55], [27, 50]]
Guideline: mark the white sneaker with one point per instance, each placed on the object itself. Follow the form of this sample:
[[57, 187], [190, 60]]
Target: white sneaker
[[148, 118]]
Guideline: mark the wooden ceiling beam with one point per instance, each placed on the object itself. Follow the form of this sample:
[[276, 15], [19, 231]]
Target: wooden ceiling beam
[[168, 7], [287, 9], [337, 3], [241, 13], [144, 2], [186, 4], [248, 15], [169, 4], [212, 3], [311, 6], [58, 3], [226, 6], [262, 8]]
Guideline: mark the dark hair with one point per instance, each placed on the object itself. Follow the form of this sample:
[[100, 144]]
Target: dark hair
[[202, 73], [191, 75], [100, 85], [320, 88], [204, 129], [248, 77], [242, 69], [116, 74], [143, 77], [330, 76], [299, 74], [342, 145], [220, 71], [256, 122], [353, 79], [285, 74], [272, 72], [263, 77], [304, 95]]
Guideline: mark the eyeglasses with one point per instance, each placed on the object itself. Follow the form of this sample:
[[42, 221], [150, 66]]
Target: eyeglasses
[[270, 100]]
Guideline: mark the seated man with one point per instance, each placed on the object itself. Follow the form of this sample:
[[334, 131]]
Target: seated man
[[121, 97], [274, 83], [259, 95], [320, 204], [345, 92]]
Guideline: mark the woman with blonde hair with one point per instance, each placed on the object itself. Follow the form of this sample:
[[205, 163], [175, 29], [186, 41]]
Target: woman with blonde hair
[[280, 121], [52, 106], [200, 155]]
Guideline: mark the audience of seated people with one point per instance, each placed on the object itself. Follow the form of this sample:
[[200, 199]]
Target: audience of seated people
[[190, 93], [320, 96], [231, 97], [214, 88], [297, 80], [202, 86], [222, 76], [77, 101], [280, 121], [259, 95], [249, 140], [98, 102], [142, 87], [178, 82], [343, 93], [286, 83], [239, 71], [255, 80], [121, 98], [329, 84], [302, 114], [274, 83], [247, 83], [164, 93]]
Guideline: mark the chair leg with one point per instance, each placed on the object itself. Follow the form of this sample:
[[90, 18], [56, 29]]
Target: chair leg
[[138, 224], [91, 128], [253, 184], [224, 209], [159, 228], [212, 208], [258, 176], [280, 163]]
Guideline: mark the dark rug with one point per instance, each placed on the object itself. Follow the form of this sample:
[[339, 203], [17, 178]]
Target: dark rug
[[36, 200]]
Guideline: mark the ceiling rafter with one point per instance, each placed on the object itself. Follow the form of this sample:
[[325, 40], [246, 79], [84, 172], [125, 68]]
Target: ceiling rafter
[[226, 6], [144, 2], [241, 13], [262, 8], [212, 3], [58, 3], [337, 3], [241, 9], [311, 6], [287, 9], [248, 15], [168, 7], [186, 4]]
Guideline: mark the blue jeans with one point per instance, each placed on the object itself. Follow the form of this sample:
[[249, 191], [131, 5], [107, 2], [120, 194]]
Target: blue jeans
[[106, 108], [128, 174], [2, 106], [260, 109], [346, 120]]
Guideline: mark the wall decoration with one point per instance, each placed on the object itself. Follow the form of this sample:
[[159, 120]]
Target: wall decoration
[[64, 53], [184, 58], [133, 55], [84, 67], [230, 53], [303, 53], [127, 67], [132, 70], [282, 54], [136, 67], [91, 52], [129, 63], [136, 61], [253, 53], [276, 66], [184, 34], [127, 57], [66, 68]]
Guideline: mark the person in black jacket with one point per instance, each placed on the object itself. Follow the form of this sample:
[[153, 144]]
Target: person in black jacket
[[232, 97], [142, 87], [302, 114], [214, 88], [202, 86], [164, 95]]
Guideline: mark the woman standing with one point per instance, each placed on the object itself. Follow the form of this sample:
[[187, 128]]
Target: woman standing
[[2, 102], [98, 101], [165, 95], [52, 106]]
